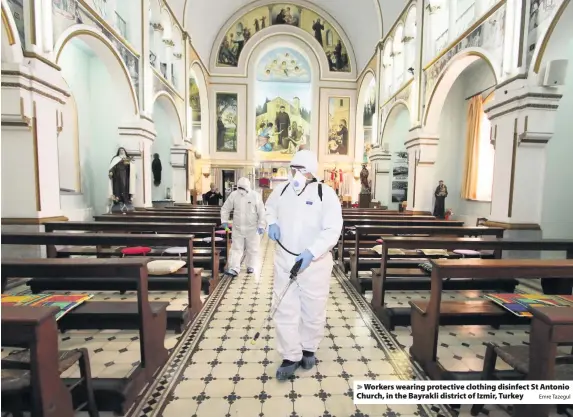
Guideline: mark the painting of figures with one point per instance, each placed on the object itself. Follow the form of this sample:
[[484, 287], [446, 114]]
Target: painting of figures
[[399, 176], [283, 14], [338, 117], [283, 102], [194, 100], [239, 34], [227, 121], [328, 38]]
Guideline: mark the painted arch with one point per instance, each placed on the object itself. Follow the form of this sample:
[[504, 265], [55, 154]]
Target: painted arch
[[261, 18]]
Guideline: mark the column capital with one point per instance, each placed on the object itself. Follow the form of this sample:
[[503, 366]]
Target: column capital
[[141, 128], [378, 154]]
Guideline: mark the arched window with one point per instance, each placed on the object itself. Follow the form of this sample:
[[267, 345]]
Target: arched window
[[398, 56], [329, 38]]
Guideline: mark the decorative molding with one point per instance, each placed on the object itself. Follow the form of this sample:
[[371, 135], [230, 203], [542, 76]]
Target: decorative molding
[[32, 220], [534, 138], [158, 27], [169, 42], [177, 55]]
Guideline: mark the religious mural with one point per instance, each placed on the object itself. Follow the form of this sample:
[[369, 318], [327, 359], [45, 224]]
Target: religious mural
[[399, 177], [338, 125], [17, 9], [227, 122], [194, 100], [66, 13], [488, 36], [283, 14], [283, 103], [540, 12]]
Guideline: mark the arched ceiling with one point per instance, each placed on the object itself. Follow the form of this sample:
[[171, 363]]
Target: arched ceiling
[[361, 20]]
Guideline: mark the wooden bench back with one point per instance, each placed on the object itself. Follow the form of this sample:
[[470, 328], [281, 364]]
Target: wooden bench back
[[135, 268], [35, 329], [452, 243], [425, 323], [157, 218]]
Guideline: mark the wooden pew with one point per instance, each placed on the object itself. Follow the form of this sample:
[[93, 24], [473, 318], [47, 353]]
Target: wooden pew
[[348, 233], [197, 217], [211, 258], [428, 315], [35, 328], [156, 218], [400, 316], [111, 394], [177, 320], [367, 235]]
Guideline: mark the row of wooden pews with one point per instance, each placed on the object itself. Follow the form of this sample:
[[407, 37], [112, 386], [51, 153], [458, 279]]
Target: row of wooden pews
[[446, 256], [114, 254]]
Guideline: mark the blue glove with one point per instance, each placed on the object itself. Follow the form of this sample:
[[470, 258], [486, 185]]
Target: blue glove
[[225, 226], [306, 257], [274, 232], [260, 230]]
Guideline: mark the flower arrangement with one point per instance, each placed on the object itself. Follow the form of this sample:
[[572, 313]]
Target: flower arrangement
[[449, 213]]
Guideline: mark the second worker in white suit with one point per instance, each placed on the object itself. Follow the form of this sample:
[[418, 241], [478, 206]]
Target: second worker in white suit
[[305, 217], [248, 226]]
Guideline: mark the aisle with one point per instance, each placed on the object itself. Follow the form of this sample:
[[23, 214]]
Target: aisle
[[215, 371]]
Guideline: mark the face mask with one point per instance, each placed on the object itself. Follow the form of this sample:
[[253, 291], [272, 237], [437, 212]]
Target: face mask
[[242, 191], [298, 181]]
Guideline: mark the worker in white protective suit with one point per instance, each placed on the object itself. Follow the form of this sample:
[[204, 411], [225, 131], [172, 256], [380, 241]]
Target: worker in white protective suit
[[305, 217], [248, 226]]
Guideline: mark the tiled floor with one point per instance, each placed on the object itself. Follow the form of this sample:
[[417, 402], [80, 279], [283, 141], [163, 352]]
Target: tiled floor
[[223, 374], [214, 370]]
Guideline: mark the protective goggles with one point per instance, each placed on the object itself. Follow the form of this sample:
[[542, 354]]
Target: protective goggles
[[298, 168], [243, 189]]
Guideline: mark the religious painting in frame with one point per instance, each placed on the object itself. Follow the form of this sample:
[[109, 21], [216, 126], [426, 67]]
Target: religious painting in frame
[[194, 100], [226, 122], [283, 103], [399, 176], [338, 125], [540, 12]]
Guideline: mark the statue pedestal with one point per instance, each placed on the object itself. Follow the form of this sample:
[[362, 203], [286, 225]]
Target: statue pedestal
[[122, 208], [364, 200]]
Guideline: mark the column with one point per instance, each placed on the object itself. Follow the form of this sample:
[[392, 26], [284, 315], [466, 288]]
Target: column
[[380, 161], [421, 33], [136, 137], [522, 125], [32, 98], [145, 88], [422, 153]]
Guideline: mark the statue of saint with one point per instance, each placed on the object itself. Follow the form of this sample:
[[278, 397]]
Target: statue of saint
[[122, 181], [440, 205], [364, 181], [156, 169]]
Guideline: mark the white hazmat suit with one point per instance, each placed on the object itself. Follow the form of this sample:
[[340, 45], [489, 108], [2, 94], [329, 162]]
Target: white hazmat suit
[[248, 218], [306, 223]]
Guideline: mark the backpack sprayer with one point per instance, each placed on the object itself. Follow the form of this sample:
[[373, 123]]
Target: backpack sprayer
[[293, 275]]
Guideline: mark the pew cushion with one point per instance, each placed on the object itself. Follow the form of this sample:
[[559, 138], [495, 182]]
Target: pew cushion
[[467, 252], [217, 239], [391, 251], [164, 267], [136, 250], [220, 232], [176, 250]]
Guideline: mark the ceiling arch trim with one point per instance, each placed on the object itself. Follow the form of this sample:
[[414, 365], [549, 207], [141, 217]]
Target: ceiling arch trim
[[261, 16]]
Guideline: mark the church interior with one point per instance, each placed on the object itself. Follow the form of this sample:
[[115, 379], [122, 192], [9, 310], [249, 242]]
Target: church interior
[[443, 126]]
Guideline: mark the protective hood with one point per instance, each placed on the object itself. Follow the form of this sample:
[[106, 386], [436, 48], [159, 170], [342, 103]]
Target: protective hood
[[308, 160], [244, 183]]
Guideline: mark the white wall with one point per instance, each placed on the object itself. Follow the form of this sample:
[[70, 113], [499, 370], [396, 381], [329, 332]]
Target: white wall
[[99, 115], [556, 220], [162, 146], [449, 165]]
